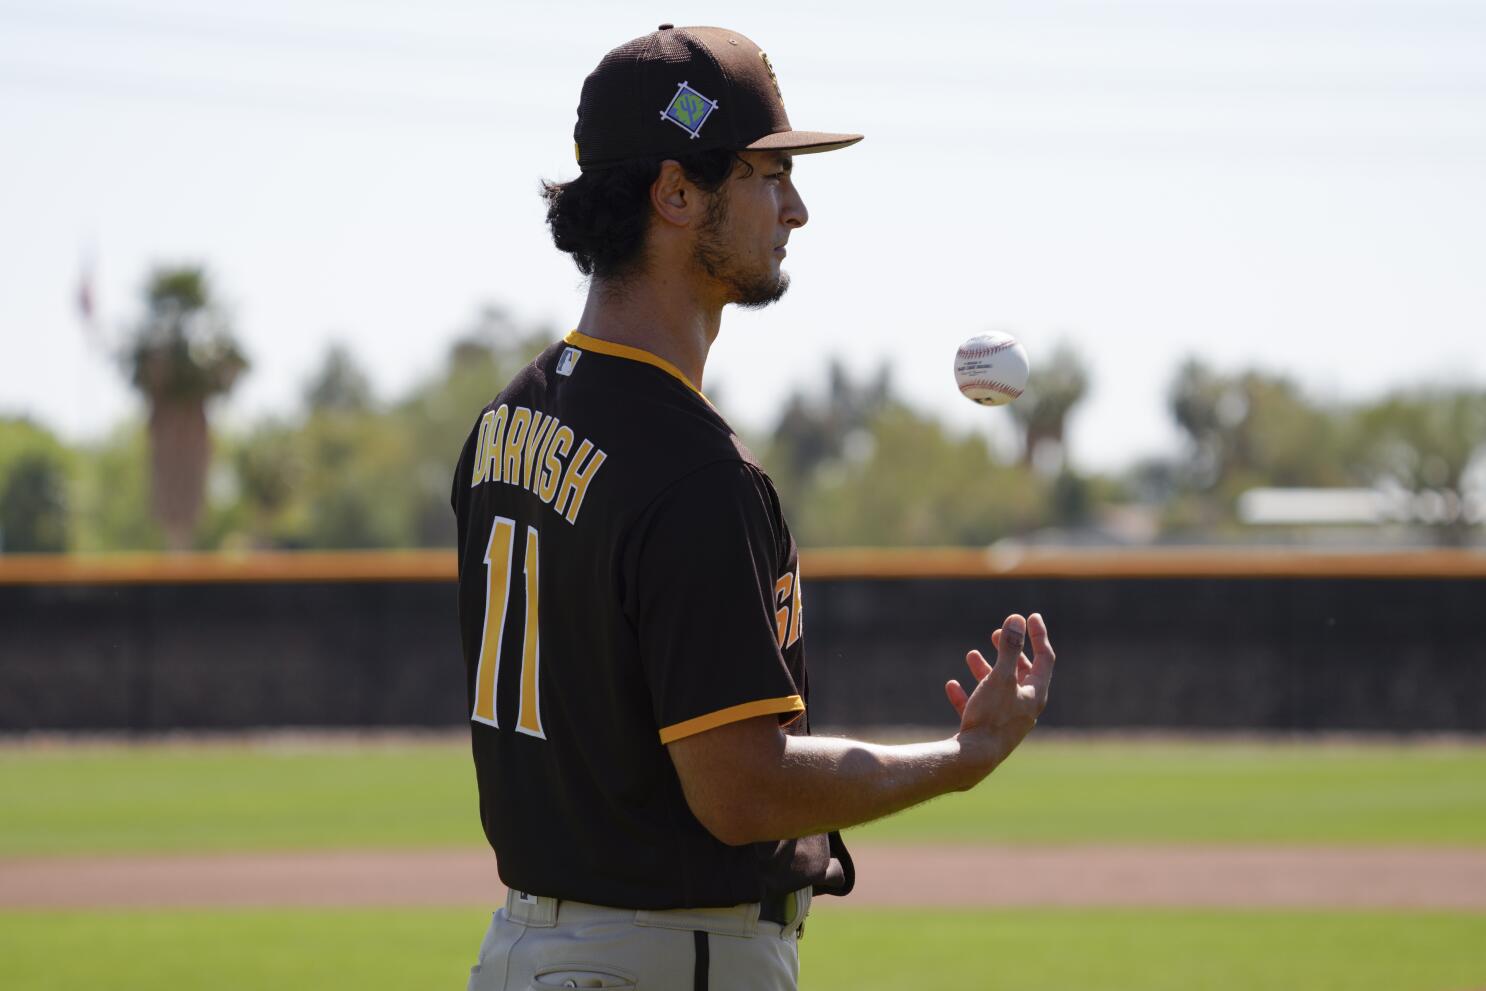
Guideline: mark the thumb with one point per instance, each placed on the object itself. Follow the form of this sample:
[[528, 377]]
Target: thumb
[[1009, 646]]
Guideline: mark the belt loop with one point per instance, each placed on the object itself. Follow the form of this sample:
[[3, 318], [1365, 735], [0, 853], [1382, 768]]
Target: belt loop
[[537, 911], [703, 967]]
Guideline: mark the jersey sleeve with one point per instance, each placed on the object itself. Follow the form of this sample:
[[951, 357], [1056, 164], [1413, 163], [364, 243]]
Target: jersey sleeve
[[707, 560]]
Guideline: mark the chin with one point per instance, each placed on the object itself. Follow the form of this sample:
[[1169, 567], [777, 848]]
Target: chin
[[760, 293]]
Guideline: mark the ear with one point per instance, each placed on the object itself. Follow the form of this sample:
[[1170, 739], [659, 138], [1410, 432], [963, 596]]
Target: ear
[[675, 200]]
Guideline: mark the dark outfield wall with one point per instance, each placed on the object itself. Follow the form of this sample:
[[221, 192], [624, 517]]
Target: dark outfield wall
[[1277, 653]]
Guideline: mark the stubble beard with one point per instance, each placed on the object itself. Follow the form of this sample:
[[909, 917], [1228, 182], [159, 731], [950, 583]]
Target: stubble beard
[[750, 290]]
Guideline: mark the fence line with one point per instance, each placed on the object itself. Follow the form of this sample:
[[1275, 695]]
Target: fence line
[[862, 564]]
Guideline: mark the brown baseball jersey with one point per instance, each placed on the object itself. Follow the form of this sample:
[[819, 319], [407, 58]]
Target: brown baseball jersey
[[626, 579]]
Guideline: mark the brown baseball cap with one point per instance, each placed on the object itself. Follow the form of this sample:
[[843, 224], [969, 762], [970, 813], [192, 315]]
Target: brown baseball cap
[[677, 91]]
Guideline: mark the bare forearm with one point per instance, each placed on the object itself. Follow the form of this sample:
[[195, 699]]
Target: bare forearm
[[749, 782], [823, 783]]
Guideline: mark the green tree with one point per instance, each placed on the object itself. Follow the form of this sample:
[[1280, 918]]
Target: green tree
[[1427, 441], [1053, 389], [112, 493], [911, 482], [354, 472], [1245, 430], [340, 384], [33, 489], [180, 355], [854, 465], [360, 489], [439, 412], [815, 432], [1210, 408], [269, 465], [297, 481]]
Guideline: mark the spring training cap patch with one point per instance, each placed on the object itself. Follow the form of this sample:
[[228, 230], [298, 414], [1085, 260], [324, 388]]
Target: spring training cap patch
[[689, 110], [716, 88]]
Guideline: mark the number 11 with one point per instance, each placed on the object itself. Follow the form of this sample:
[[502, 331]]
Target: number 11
[[498, 560]]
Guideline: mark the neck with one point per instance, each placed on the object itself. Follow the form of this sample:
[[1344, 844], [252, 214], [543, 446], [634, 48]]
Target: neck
[[666, 317]]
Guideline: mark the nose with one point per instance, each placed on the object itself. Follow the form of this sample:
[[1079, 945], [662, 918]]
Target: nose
[[793, 211]]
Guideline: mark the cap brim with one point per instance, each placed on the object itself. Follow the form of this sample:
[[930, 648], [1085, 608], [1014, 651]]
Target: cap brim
[[803, 142]]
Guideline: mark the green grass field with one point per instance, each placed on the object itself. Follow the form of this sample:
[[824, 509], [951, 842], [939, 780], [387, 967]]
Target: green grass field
[[257, 797], [844, 950], [286, 795], [1215, 792]]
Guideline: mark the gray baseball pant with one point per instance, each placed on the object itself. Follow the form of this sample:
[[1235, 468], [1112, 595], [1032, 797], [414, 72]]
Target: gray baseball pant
[[535, 943]]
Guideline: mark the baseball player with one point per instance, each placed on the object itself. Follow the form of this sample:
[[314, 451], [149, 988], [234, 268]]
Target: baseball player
[[629, 593]]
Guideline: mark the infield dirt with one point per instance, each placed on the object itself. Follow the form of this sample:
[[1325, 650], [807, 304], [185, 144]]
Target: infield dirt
[[979, 875]]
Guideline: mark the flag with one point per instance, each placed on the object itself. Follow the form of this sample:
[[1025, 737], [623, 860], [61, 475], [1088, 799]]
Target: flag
[[87, 302], [85, 294]]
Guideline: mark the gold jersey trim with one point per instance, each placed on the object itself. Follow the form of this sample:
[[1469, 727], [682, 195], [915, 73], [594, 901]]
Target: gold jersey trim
[[732, 714], [612, 349]]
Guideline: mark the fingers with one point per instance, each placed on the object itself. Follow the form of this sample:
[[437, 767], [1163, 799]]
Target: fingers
[[1037, 628], [1009, 644], [978, 665], [956, 695], [1042, 653]]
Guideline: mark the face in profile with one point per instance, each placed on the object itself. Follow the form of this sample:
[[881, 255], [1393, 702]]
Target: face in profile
[[741, 243]]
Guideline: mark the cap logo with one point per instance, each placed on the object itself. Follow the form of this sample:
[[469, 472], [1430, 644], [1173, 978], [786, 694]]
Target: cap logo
[[772, 78], [689, 110]]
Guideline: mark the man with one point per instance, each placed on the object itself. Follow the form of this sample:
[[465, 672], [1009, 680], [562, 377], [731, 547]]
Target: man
[[629, 591]]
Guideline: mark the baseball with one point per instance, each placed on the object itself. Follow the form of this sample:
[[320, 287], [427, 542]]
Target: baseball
[[991, 369]]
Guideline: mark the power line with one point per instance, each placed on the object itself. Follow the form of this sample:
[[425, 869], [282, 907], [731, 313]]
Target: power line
[[218, 94], [530, 119], [83, 20]]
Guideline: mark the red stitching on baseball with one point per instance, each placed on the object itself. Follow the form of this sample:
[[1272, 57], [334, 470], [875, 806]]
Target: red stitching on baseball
[[994, 386], [977, 352]]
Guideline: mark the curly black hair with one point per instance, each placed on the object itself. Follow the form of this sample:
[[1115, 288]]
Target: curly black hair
[[601, 217]]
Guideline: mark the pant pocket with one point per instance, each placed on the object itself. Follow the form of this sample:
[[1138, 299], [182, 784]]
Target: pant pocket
[[581, 976]]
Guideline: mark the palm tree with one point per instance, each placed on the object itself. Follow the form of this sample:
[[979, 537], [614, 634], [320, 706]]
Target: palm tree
[[181, 354], [1053, 389]]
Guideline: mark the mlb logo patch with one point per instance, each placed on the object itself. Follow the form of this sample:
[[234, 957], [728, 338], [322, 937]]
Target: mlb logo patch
[[568, 360], [689, 110]]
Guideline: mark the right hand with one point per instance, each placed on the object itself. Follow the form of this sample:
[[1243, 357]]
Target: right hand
[[1008, 698]]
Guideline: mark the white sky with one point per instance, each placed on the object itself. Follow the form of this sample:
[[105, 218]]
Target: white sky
[[1299, 185]]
